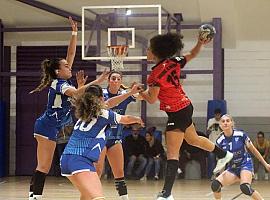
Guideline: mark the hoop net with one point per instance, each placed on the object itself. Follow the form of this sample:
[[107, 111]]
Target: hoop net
[[117, 54]]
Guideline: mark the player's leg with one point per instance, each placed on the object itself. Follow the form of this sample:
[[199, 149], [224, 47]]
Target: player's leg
[[193, 139], [45, 152], [245, 185], [224, 179], [100, 164], [174, 141], [115, 156], [89, 185]]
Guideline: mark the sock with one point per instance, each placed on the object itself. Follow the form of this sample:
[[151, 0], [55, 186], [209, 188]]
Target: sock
[[172, 166], [220, 153], [121, 186], [38, 183], [37, 197], [31, 187]]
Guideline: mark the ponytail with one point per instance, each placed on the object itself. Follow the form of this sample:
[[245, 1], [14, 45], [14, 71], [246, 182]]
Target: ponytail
[[48, 73]]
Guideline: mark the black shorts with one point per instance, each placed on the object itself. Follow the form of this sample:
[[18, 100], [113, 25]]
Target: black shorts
[[181, 119]]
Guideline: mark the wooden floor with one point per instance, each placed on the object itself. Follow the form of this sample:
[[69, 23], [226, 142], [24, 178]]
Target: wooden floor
[[15, 188]]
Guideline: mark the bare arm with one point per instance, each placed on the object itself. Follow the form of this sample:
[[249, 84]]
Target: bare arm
[[257, 154], [151, 94], [72, 92], [129, 119], [72, 44], [194, 51], [114, 101]]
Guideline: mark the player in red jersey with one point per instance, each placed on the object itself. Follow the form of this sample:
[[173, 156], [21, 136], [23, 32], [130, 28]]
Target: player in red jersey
[[164, 85]]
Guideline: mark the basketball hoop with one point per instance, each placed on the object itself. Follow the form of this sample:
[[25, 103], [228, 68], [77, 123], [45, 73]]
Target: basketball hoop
[[117, 54]]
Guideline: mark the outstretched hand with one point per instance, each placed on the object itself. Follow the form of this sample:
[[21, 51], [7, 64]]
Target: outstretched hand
[[104, 76], [136, 87], [204, 41], [81, 78], [73, 24]]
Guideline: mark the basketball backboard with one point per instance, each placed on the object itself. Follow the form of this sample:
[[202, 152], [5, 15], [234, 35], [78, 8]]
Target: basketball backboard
[[131, 25]]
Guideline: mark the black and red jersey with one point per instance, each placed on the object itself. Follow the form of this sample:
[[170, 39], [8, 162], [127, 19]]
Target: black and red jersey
[[166, 75]]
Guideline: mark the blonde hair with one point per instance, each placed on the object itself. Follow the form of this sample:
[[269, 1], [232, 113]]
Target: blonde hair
[[230, 117], [89, 104]]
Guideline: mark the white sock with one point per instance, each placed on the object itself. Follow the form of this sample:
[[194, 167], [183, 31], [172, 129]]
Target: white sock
[[37, 197], [124, 197]]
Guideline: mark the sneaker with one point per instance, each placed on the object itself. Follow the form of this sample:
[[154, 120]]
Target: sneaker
[[143, 178], [256, 176], [124, 197], [266, 176], [222, 162], [160, 197], [156, 177]]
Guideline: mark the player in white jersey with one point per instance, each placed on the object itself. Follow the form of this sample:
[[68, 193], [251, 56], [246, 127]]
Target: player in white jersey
[[88, 140], [240, 169]]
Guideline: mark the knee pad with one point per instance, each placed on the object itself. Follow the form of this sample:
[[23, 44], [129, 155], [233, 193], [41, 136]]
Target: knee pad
[[246, 189], [216, 186]]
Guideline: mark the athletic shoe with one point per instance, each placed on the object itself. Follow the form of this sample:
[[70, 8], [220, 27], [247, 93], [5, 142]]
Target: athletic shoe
[[221, 163], [160, 197]]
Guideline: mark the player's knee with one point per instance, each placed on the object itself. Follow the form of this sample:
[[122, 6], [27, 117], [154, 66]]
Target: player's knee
[[246, 189], [216, 186]]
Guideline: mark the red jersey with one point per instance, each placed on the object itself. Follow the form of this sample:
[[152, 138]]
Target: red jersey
[[166, 75]]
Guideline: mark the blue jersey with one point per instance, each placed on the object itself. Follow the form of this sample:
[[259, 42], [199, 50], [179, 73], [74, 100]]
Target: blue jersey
[[88, 139], [236, 144], [57, 114], [115, 131], [58, 103]]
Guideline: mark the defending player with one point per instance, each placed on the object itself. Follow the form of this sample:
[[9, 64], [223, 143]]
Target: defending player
[[113, 149], [240, 169], [87, 142]]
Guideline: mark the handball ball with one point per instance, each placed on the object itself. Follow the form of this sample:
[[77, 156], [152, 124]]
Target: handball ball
[[207, 32]]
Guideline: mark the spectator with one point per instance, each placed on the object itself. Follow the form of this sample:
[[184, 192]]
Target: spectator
[[262, 145], [154, 153], [135, 149], [188, 153], [214, 132]]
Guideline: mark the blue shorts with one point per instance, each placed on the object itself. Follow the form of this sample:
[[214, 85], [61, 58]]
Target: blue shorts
[[72, 164], [48, 127], [247, 165], [112, 142]]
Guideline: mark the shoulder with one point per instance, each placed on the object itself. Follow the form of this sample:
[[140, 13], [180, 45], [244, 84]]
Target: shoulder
[[220, 138], [180, 59]]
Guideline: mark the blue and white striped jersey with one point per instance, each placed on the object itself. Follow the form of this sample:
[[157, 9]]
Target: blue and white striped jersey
[[88, 139], [115, 131], [236, 144], [58, 103]]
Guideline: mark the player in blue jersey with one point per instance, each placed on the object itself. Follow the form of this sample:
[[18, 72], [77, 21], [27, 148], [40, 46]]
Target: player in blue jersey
[[56, 73], [113, 148], [88, 140], [240, 169]]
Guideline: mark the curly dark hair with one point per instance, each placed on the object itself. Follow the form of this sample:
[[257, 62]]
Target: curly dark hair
[[48, 67], [89, 104], [166, 45]]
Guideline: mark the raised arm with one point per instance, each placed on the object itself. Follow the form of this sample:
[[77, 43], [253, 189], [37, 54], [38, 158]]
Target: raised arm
[[72, 44], [114, 101], [196, 49], [72, 92]]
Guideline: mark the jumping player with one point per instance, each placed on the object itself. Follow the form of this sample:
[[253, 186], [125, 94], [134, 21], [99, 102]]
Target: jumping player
[[87, 142], [113, 149], [164, 84], [240, 169]]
